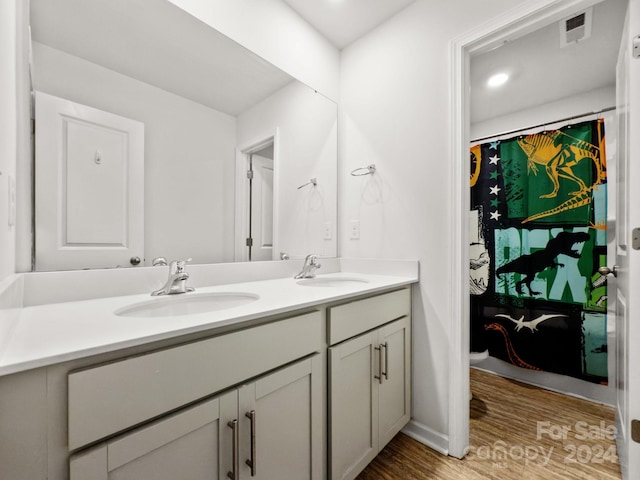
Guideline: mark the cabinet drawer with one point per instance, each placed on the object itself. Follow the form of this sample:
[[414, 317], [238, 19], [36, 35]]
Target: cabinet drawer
[[110, 398], [351, 319]]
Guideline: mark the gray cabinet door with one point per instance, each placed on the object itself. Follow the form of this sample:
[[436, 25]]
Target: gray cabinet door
[[394, 393], [286, 407], [185, 445], [353, 406], [369, 395]]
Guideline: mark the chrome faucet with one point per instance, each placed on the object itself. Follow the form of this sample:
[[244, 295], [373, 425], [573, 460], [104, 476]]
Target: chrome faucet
[[310, 266], [177, 280]]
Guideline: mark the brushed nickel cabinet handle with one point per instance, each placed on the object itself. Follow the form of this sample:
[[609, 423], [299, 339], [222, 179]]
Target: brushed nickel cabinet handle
[[379, 376], [385, 345], [233, 474], [252, 462]]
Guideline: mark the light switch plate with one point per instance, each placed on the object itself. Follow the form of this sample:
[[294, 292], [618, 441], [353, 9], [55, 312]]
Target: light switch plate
[[327, 231], [354, 230]]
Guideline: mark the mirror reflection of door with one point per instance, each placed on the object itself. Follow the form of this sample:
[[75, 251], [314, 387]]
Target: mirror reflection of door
[[89, 204], [260, 242]]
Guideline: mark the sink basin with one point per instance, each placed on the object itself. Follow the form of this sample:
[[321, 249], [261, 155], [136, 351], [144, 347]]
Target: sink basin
[[331, 282], [186, 304]]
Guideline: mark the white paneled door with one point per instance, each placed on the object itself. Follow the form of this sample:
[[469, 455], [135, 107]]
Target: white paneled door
[[624, 297], [89, 201], [262, 208]]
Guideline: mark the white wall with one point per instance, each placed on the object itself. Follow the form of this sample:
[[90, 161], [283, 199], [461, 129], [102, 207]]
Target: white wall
[[8, 128], [23, 232], [395, 112], [307, 130], [592, 101], [271, 29], [189, 155]]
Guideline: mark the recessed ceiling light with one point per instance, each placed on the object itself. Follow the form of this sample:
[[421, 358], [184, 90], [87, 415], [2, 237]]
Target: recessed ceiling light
[[497, 80]]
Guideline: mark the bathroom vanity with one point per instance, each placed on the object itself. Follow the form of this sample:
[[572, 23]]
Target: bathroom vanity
[[309, 381], [217, 435], [255, 374]]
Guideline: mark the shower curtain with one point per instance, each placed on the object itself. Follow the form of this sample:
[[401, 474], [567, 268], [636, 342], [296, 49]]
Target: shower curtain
[[538, 237]]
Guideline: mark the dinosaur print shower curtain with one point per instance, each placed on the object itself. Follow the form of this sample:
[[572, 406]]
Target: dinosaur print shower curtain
[[538, 236]]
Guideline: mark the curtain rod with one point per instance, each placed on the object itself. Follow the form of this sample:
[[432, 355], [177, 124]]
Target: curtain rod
[[608, 109]]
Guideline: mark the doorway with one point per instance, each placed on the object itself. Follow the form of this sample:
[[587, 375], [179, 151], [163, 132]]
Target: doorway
[[548, 321], [256, 209], [516, 24], [260, 238]]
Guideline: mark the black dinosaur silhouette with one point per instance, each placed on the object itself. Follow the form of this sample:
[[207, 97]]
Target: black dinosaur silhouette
[[529, 265]]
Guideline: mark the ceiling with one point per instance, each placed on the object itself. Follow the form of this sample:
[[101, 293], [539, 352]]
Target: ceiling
[[542, 72], [159, 44], [344, 21]]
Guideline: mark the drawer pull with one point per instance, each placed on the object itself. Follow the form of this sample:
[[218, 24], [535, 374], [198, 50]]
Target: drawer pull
[[252, 462], [233, 474], [379, 376]]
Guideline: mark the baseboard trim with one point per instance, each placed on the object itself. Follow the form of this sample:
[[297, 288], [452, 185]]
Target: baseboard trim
[[423, 434]]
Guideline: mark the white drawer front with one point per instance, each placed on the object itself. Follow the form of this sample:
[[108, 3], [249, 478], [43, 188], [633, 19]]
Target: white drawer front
[[110, 398], [351, 319]]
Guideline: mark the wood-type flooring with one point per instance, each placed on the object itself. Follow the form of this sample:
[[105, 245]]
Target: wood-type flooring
[[517, 432]]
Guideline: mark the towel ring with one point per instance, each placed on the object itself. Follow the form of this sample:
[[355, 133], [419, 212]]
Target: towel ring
[[368, 170]]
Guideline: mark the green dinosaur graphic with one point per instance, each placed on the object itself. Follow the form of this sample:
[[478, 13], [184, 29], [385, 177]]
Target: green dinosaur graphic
[[560, 153]]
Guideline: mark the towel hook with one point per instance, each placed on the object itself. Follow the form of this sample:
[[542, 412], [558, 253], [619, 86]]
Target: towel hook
[[368, 170], [311, 181]]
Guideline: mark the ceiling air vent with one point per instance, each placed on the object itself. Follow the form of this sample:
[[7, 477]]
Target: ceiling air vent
[[575, 28]]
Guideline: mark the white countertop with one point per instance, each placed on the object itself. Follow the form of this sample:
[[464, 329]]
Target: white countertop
[[41, 335]]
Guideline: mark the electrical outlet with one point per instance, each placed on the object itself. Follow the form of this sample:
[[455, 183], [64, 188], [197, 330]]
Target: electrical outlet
[[327, 231], [355, 230]]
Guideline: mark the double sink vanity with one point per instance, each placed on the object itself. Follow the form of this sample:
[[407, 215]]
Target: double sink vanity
[[275, 377], [254, 373]]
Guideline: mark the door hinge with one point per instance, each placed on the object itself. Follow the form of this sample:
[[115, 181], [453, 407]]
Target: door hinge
[[635, 238], [250, 174], [635, 47], [635, 430], [249, 242], [33, 126]]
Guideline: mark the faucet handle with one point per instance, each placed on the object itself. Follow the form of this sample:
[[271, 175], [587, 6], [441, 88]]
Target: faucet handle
[[309, 267], [313, 261], [177, 266]]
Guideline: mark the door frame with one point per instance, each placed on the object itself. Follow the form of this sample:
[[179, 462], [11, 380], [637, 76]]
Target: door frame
[[514, 23], [243, 154]]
